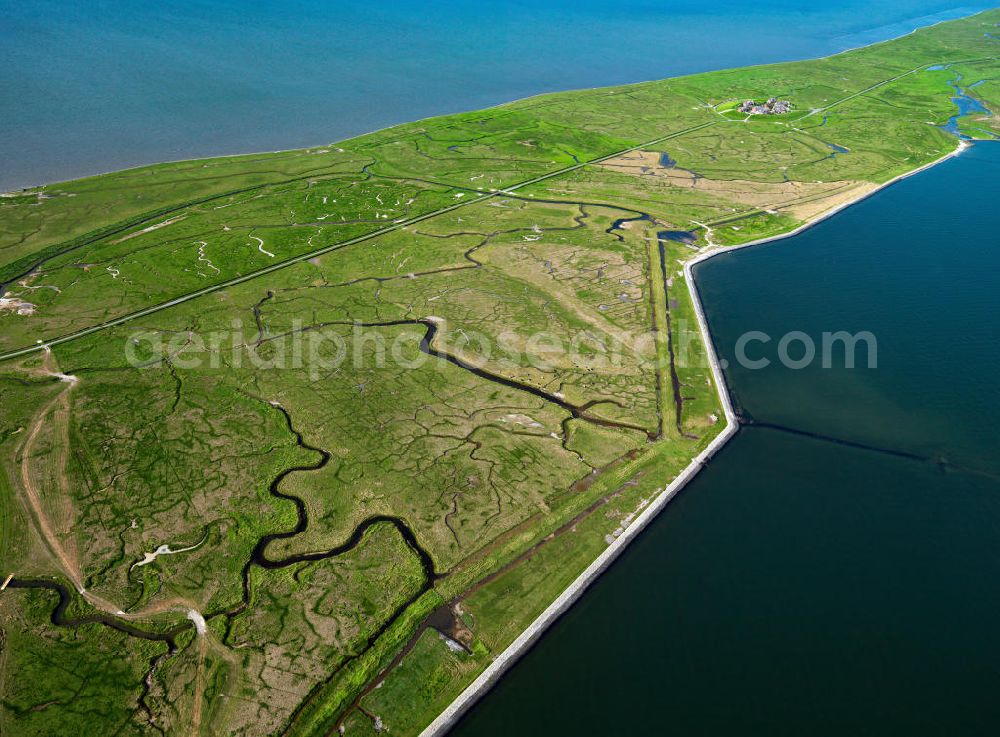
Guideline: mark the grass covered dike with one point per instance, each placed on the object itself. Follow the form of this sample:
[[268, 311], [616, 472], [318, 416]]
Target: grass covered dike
[[542, 214]]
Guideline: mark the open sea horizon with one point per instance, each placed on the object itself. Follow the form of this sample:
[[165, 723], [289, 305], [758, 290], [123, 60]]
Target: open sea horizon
[[91, 87]]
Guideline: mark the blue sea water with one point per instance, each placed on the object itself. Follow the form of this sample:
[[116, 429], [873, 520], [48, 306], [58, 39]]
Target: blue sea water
[[966, 106], [835, 569], [799, 586], [89, 85]]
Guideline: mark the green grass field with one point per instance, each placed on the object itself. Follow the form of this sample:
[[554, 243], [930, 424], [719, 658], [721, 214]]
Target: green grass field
[[299, 441]]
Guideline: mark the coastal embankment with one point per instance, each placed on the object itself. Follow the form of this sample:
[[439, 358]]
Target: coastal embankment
[[506, 659]]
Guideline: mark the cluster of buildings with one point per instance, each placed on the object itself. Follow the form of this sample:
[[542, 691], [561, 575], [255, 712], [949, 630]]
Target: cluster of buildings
[[12, 304], [773, 106]]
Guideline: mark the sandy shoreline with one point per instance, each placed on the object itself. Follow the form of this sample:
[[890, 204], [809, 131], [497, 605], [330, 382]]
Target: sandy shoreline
[[479, 687]]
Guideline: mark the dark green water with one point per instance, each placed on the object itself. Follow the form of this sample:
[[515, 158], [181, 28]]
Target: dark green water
[[801, 586]]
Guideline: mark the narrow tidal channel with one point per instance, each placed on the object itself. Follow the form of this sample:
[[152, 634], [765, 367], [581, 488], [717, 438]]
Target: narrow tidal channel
[[802, 583]]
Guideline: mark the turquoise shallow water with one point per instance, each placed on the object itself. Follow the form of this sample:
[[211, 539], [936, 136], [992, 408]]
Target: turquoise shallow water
[[89, 85], [799, 586]]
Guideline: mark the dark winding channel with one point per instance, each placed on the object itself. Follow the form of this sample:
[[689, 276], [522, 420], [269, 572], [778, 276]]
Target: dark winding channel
[[578, 411], [259, 557], [58, 616], [259, 554], [686, 237]]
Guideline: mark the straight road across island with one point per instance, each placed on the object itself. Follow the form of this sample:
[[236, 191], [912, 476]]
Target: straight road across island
[[42, 344]]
